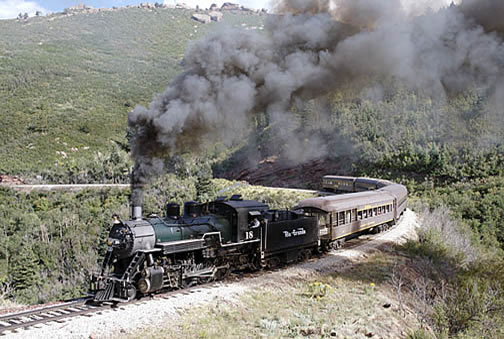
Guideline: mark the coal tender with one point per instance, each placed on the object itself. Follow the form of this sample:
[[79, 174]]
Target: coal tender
[[204, 243]]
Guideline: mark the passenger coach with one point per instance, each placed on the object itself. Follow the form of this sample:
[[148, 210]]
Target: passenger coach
[[376, 206]]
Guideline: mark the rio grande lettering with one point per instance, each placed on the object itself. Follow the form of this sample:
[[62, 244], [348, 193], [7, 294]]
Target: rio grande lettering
[[294, 233]]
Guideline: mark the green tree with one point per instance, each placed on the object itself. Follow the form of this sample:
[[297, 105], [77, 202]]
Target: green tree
[[204, 187], [25, 273]]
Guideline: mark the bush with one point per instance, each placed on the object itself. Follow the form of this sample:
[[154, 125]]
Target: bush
[[459, 285]]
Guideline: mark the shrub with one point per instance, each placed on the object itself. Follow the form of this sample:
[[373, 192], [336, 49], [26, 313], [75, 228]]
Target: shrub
[[459, 285]]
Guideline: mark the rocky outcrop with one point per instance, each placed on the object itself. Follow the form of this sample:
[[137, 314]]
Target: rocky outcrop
[[229, 6], [146, 5], [214, 13], [216, 16], [203, 18], [79, 7], [182, 6], [10, 180]]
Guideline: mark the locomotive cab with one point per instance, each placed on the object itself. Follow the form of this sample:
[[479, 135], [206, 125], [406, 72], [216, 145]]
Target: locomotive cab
[[245, 216]]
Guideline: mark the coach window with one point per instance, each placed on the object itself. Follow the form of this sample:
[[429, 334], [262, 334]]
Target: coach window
[[364, 213], [341, 219], [354, 215], [348, 217], [359, 215]]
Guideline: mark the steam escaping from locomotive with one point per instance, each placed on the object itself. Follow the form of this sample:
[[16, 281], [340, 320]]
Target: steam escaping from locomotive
[[308, 49]]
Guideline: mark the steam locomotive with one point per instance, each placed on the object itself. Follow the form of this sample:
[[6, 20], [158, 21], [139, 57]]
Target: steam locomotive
[[205, 243], [208, 241]]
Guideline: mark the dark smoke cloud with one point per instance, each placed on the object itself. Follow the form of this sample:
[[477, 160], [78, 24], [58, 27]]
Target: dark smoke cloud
[[487, 13], [309, 49]]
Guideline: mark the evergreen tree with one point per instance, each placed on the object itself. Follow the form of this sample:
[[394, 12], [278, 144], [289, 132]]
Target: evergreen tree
[[24, 270], [204, 186]]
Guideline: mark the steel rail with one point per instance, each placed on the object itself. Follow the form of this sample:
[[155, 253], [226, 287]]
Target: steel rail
[[79, 307], [42, 315]]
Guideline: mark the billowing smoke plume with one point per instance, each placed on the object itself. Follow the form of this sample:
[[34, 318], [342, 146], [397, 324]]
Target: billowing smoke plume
[[309, 49]]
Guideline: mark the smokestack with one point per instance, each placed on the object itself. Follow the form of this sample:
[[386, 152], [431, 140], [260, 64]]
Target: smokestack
[[136, 212], [136, 196]]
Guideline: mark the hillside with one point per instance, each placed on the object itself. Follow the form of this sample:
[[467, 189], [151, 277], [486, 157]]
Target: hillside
[[67, 82]]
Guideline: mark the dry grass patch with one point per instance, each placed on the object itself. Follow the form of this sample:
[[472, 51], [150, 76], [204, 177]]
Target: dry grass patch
[[358, 303]]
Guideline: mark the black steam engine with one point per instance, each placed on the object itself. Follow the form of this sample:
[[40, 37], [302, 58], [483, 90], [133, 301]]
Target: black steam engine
[[205, 243]]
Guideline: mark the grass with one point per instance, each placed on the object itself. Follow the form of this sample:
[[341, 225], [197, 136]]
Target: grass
[[68, 82], [352, 306]]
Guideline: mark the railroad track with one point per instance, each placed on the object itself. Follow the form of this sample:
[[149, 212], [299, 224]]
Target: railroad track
[[78, 307]]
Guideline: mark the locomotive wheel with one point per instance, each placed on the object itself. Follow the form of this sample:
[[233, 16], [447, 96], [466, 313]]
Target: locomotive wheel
[[274, 262], [132, 292], [304, 255], [323, 248], [335, 245], [253, 265]]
